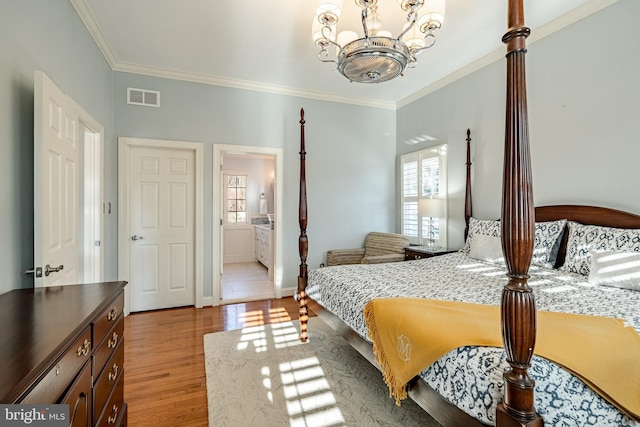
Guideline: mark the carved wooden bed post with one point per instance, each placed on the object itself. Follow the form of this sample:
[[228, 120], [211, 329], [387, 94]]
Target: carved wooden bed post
[[518, 228], [303, 243], [468, 210]]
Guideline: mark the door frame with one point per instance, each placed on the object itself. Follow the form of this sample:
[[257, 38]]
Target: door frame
[[92, 137], [218, 151], [125, 144]]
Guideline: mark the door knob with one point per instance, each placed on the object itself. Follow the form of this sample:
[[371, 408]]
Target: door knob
[[136, 237], [48, 269]]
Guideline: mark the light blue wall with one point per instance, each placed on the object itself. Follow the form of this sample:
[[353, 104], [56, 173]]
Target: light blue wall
[[42, 35], [583, 92], [350, 156], [350, 149]]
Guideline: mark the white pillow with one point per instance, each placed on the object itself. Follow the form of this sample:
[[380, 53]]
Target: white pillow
[[486, 248], [612, 268]]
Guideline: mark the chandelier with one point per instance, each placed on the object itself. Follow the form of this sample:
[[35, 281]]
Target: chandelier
[[378, 56]]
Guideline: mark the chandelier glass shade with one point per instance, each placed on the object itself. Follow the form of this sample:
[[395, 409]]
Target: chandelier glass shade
[[377, 56]]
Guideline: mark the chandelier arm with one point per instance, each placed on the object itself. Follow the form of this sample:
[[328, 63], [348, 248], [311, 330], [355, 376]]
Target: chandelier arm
[[412, 17], [326, 36], [415, 51], [325, 59], [333, 43], [324, 54]]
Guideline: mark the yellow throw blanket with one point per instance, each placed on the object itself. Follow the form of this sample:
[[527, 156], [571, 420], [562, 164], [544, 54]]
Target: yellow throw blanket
[[409, 334]]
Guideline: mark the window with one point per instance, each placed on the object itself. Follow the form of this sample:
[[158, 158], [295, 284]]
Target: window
[[236, 199], [424, 175]]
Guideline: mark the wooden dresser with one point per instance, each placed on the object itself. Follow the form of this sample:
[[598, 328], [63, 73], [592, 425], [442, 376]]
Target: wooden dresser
[[65, 344]]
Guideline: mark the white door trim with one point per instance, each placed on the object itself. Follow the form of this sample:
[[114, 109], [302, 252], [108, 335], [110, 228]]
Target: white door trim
[[93, 237], [125, 145], [218, 151]]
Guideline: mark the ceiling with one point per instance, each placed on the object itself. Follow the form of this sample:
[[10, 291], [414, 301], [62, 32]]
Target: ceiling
[[267, 45]]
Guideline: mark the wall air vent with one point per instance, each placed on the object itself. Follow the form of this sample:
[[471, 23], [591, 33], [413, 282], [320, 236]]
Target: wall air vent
[[148, 98]]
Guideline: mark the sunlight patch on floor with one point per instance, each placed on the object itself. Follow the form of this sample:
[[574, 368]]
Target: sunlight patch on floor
[[252, 318], [310, 401], [285, 335], [254, 335], [277, 315], [307, 392]]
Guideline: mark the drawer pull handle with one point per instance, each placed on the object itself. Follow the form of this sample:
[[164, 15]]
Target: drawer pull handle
[[114, 374], [83, 350], [113, 341], [57, 370], [113, 313], [114, 411]]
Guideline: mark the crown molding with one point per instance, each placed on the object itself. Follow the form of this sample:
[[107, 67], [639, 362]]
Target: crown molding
[[245, 84], [569, 18], [541, 32], [94, 29], [450, 78]]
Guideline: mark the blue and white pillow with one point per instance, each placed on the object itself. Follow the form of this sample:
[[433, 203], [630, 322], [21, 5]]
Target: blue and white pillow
[[586, 239], [480, 226], [547, 238], [547, 242]]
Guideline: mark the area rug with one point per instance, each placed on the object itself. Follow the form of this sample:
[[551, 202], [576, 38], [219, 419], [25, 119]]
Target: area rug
[[264, 376]]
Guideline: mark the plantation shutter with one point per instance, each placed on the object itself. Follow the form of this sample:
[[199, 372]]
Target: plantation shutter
[[423, 176], [410, 183]]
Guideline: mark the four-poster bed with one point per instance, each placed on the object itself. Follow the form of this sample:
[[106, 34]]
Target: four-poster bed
[[517, 232]]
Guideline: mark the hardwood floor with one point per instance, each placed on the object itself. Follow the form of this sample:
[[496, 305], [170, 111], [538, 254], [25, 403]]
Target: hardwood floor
[[165, 383]]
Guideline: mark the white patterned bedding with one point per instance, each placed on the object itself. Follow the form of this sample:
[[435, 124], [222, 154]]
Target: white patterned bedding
[[471, 377]]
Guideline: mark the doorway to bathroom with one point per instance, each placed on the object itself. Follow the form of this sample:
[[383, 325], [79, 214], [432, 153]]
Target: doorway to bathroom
[[248, 264]]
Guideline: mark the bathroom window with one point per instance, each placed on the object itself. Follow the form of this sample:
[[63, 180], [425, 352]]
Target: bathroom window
[[236, 199]]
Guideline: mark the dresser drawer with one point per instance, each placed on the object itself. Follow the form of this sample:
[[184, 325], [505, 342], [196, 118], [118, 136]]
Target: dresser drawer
[[78, 397], [115, 406], [105, 321], [108, 378], [104, 350], [54, 383]]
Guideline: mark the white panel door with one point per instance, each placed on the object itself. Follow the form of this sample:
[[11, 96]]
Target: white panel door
[[56, 185], [161, 215]]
